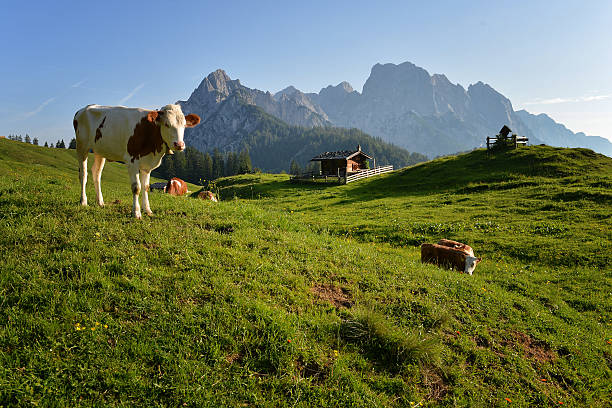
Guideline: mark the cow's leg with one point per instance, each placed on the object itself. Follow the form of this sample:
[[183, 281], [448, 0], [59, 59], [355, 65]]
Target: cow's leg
[[96, 171], [145, 177], [82, 158], [135, 180]]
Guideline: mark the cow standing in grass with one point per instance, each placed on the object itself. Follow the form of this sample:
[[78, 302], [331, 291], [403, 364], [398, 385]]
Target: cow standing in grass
[[138, 137]]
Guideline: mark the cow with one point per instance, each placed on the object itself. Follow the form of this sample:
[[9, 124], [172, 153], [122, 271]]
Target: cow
[[138, 137], [457, 245], [176, 187], [207, 195], [448, 257]]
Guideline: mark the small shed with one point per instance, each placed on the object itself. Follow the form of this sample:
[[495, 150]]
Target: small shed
[[505, 131], [342, 163]]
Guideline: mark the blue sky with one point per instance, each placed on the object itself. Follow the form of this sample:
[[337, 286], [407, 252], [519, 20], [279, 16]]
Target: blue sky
[[552, 57]]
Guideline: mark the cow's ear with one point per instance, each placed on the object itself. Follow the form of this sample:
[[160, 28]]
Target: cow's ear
[[478, 260], [152, 116], [192, 120]]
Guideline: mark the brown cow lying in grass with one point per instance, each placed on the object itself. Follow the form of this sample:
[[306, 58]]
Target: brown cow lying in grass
[[457, 245], [449, 257], [176, 187]]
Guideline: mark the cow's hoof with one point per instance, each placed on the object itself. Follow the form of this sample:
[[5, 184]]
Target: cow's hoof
[[149, 213], [84, 203], [138, 216]]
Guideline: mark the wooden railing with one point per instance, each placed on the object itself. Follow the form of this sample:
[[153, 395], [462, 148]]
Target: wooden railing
[[368, 173], [516, 140], [315, 177]]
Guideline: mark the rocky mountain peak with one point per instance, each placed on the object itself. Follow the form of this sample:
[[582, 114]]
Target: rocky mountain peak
[[346, 86], [218, 81], [288, 91], [404, 87]]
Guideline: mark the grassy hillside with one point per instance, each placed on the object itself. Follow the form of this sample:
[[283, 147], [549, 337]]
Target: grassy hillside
[[284, 295]]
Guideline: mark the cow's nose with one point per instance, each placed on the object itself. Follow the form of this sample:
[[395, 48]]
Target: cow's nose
[[179, 146]]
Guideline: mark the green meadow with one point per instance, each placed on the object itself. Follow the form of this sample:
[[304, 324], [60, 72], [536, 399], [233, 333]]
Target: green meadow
[[309, 295]]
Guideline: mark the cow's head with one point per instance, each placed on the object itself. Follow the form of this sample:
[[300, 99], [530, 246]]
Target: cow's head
[[172, 124], [470, 264]]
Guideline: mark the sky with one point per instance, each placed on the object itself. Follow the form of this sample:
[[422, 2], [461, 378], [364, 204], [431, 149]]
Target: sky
[[546, 57]]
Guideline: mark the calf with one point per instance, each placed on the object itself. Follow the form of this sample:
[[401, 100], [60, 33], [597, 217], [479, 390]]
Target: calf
[[207, 195], [176, 187], [457, 245], [138, 137], [448, 257]]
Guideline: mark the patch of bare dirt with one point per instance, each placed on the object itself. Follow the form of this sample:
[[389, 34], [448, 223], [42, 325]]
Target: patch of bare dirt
[[534, 349], [233, 357], [339, 297], [312, 370], [433, 380]]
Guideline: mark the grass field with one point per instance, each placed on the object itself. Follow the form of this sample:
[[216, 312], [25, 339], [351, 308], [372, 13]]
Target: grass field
[[298, 295]]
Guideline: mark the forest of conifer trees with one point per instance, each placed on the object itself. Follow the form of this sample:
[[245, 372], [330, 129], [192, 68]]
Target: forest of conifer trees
[[197, 167]]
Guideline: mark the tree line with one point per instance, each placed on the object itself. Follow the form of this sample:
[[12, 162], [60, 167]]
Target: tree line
[[198, 168], [34, 141]]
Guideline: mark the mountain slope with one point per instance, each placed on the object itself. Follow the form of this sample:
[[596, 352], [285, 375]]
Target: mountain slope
[[401, 104], [234, 120], [555, 134]]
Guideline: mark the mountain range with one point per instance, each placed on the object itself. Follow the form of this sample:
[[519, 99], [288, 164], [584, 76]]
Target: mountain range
[[401, 104]]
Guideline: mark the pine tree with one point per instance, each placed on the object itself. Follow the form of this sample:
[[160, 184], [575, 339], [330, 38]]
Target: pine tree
[[244, 162], [51, 145], [72, 144], [28, 139], [47, 145], [35, 141], [207, 167], [217, 164], [294, 168], [230, 161]]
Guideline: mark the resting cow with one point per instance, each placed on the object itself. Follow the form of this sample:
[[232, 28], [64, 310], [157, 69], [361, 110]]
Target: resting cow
[[448, 257], [176, 187], [207, 195], [457, 245], [138, 137]]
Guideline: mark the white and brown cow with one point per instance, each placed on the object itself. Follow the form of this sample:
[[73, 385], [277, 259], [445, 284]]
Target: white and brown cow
[[176, 187], [449, 257], [138, 137]]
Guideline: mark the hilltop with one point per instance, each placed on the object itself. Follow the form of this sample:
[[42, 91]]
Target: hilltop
[[297, 295]]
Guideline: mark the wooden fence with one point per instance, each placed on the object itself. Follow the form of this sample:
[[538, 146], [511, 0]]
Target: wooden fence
[[516, 140], [367, 173]]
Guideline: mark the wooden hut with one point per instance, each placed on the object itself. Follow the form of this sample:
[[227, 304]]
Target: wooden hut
[[342, 163]]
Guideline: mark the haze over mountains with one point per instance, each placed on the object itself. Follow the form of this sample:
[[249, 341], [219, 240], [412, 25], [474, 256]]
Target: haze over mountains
[[401, 104]]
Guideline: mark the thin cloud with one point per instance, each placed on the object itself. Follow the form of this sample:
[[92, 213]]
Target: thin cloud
[[39, 108], [129, 96], [554, 101], [78, 84]]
